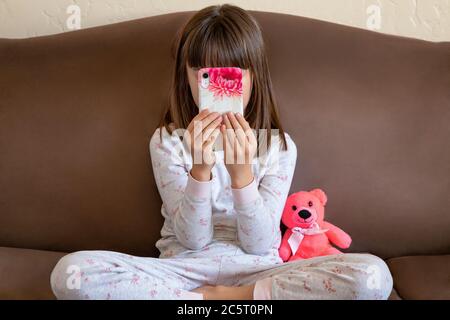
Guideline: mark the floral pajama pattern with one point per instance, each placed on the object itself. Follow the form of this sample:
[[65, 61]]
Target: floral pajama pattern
[[111, 275], [214, 234]]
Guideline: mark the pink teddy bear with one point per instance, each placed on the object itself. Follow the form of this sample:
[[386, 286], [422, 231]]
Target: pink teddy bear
[[308, 235]]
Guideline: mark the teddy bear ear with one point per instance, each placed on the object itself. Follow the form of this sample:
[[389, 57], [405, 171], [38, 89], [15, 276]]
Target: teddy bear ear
[[320, 194]]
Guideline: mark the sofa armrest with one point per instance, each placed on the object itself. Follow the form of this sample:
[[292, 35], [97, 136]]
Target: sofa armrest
[[25, 273]]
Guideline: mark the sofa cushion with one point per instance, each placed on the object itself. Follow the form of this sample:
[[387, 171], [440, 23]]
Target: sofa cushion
[[394, 295], [26, 273], [421, 277]]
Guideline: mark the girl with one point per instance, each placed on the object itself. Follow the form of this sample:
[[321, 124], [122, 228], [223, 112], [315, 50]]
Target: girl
[[221, 232]]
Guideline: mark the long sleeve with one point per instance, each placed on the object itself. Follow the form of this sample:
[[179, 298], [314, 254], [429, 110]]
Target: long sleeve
[[187, 202], [259, 208]]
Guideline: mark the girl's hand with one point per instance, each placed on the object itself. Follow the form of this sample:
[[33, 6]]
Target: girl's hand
[[239, 145], [200, 136]]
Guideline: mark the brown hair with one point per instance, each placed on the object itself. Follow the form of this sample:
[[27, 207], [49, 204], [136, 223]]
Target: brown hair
[[222, 36]]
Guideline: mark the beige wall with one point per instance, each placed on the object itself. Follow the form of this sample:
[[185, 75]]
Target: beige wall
[[423, 19]]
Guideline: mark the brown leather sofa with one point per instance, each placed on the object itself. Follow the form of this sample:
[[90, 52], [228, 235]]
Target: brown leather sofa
[[369, 112]]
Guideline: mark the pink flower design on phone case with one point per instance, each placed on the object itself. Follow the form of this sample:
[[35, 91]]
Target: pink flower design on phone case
[[220, 89], [225, 81]]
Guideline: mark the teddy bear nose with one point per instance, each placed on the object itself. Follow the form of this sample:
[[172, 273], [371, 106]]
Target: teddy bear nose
[[304, 214]]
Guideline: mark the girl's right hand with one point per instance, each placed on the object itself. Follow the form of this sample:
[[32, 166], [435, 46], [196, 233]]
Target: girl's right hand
[[200, 142]]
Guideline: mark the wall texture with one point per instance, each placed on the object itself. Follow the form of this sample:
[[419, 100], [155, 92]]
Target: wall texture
[[423, 19]]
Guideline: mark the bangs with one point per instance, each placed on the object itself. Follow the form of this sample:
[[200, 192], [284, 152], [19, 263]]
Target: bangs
[[218, 45]]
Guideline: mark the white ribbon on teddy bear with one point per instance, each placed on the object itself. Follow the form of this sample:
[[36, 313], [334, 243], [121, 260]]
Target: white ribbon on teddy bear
[[299, 233]]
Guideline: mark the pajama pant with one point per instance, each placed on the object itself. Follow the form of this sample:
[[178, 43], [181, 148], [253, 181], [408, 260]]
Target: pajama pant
[[113, 275]]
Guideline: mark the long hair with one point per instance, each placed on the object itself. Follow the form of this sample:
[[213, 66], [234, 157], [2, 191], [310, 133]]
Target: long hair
[[222, 36]]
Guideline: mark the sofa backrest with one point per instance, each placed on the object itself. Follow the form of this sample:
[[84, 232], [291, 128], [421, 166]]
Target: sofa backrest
[[369, 112]]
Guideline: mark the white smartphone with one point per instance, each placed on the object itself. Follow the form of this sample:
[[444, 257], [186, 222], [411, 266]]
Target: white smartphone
[[220, 90]]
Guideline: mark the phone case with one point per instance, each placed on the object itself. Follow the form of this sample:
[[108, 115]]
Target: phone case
[[221, 89]]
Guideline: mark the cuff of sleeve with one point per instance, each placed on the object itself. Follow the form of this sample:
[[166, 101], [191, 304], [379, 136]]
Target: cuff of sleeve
[[245, 195], [197, 188]]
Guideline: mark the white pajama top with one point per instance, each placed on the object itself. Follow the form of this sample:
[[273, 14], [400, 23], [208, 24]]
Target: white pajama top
[[211, 219]]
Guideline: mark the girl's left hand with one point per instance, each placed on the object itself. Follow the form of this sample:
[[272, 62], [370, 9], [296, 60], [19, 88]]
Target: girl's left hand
[[240, 146]]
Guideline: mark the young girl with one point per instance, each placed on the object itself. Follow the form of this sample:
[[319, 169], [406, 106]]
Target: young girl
[[221, 232]]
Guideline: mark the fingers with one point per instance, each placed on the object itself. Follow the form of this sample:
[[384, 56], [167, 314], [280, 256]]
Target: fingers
[[208, 154], [200, 130], [229, 131], [234, 122], [230, 143], [210, 118], [208, 130], [227, 145], [246, 127], [201, 133], [198, 117], [239, 132], [211, 139], [244, 124], [203, 125], [238, 137]]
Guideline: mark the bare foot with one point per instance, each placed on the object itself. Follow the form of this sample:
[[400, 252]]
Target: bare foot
[[226, 293]]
